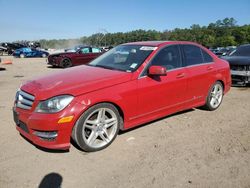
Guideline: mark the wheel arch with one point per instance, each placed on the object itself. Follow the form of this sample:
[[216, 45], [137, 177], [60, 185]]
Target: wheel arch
[[222, 82], [118, 107], [121, 113]]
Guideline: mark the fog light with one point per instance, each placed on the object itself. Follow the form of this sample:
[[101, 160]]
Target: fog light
[[65, 119], [49, 135]]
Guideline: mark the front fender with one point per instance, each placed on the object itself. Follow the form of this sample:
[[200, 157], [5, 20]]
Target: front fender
[[123, 96]]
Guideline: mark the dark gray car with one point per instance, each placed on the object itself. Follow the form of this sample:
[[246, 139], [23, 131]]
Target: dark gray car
[[239, 61]]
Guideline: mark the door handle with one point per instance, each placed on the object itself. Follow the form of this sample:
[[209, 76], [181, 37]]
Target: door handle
[[210, 67], [180, 75]]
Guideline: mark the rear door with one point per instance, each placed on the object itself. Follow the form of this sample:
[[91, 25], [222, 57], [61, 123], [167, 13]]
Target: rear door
[[200, 68]]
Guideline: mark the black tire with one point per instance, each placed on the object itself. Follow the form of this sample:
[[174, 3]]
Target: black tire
[[209, 104], [22, 56], [80, 128], [65, 63]]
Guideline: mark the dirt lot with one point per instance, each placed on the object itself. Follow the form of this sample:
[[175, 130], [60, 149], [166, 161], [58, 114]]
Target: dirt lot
[[190, 149]]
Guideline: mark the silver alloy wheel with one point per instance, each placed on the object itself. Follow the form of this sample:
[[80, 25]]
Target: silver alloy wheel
[[100, 127], [216, 95], [44, 55], [22, 56]]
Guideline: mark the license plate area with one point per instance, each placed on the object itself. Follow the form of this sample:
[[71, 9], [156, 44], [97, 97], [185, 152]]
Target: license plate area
[[15, 116], [19, 123]]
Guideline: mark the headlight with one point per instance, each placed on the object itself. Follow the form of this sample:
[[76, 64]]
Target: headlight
[[54, 104]]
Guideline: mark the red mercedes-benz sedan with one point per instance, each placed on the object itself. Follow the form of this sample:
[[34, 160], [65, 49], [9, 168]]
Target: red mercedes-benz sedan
[[129, 85]]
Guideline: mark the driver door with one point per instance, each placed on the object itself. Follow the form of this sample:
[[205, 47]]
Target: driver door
[[83, 56], [163, 94]]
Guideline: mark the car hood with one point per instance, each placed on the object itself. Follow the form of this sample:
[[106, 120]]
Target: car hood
[[74, 81], [237, 60]]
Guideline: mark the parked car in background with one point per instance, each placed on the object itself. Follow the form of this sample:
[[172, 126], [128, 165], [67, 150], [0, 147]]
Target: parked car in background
[[68, 59], [239, 61], [106, 48], [11, 47], [74, 49], [127, 86], [2, 50], [28, 52], [221, 51]]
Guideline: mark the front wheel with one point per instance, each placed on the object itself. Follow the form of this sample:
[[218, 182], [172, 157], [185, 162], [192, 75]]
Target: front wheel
[[65, 63], [97, 128], [44, 55], [214, 97], [22, 56]]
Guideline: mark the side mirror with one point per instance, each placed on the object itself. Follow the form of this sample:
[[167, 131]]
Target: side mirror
[[157, 71]]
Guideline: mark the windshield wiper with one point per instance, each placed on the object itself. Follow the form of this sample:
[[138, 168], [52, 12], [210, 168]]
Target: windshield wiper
[[105, 67]]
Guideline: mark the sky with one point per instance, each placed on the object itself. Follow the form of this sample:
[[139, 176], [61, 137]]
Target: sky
[[58, 19]]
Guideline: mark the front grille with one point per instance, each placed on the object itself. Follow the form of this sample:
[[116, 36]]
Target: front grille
[[238, 67], [24, 100]]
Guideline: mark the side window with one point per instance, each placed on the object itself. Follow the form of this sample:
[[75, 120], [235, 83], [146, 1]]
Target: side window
[[168, 57], [85, 50], [192, 55], [207, 58], [96, 50]]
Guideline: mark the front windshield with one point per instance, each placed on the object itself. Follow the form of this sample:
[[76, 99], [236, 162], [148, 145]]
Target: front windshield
[[124, 57], [241, 51]]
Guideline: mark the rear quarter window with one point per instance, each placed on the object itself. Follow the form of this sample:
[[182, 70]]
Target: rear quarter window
[[206, 57]]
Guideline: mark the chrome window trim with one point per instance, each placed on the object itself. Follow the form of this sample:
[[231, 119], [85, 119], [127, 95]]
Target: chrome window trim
[[199, 64]]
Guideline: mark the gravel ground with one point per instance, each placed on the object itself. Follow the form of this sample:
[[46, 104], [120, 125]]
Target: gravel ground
[[195, 148]]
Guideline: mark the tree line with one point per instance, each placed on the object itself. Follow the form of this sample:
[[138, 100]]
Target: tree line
[[223, 33]]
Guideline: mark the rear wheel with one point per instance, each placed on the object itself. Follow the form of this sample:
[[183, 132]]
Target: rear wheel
[[65, 63], [214, 97], [22, 55], [97, 127]]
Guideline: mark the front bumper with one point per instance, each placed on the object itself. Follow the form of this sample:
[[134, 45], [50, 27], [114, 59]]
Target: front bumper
[[44, 130], [240, 73], [240, 77], [54, 60]]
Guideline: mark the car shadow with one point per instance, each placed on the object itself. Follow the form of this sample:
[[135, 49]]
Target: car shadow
[[54, 67], [52, 180], [2, 69], [243, 87]]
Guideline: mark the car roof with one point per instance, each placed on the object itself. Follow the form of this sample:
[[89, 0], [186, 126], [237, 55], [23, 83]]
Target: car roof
[[244, 45], [159, 43]]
